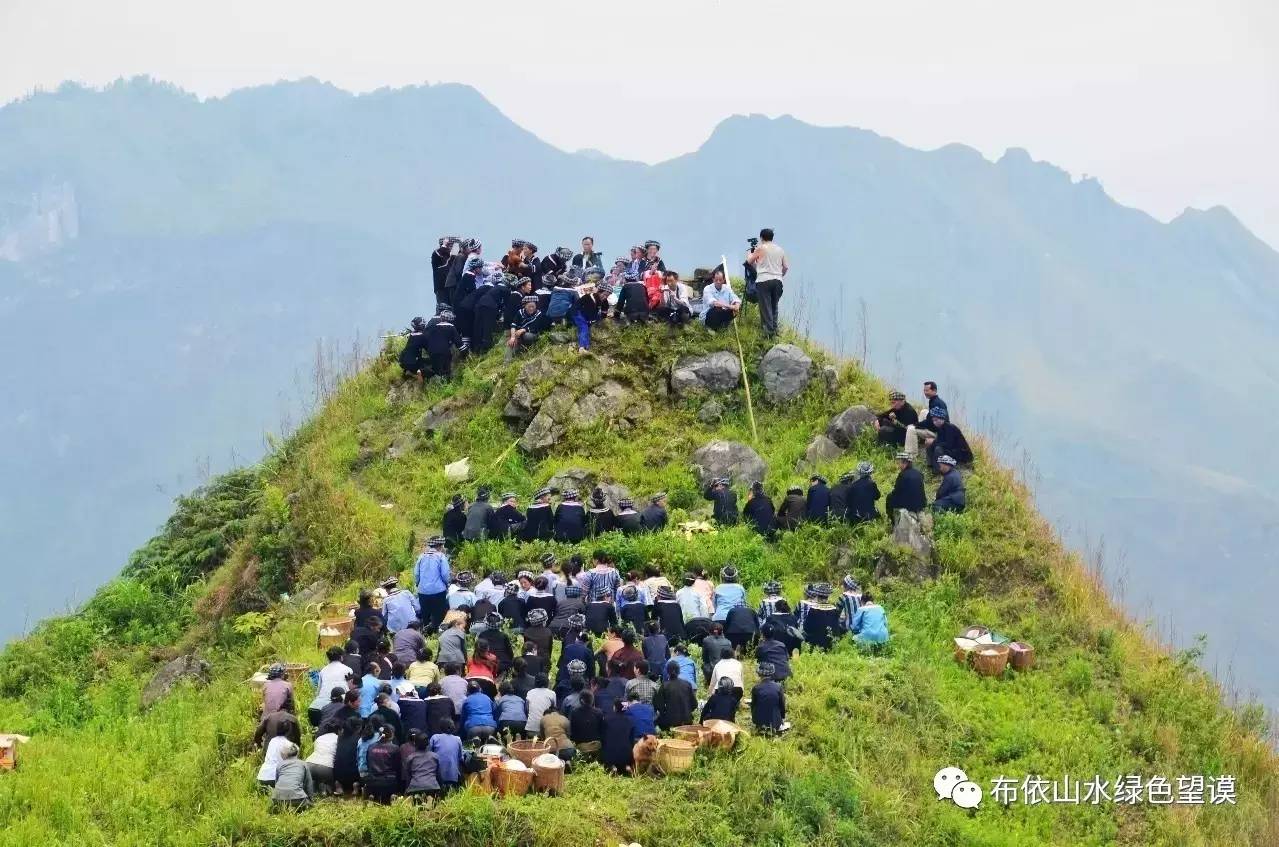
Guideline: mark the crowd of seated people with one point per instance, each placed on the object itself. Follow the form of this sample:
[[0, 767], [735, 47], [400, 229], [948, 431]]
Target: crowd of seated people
[[576, 653]]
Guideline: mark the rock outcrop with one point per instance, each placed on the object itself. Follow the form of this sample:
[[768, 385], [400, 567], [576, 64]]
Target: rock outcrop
[[401, 445], [820, 450], [913, 537], [442, 415], [167, 677], [586, 481], [712, 411], [844, 428], [728, 459], [710, 374], [785, 371]]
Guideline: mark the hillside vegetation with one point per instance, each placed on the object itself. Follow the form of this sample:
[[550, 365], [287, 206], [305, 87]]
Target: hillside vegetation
[[330, 506]]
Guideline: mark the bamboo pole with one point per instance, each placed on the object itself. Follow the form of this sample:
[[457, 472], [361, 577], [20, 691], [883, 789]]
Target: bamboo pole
[[741, 355], [505, 452]]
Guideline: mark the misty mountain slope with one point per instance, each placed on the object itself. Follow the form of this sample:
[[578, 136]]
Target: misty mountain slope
[[1118, 350]]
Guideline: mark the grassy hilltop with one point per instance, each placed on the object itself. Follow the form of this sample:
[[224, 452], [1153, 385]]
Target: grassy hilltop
[[330, 505]]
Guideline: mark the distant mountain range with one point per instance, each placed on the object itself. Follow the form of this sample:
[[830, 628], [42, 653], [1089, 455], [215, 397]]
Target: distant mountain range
[[168, 264]]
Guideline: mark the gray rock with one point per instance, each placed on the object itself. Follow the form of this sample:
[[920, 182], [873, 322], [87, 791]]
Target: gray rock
[[520, 406], [730, 459], [560, 337], [365, 431], [363, 458], [820, 450], [404, 391], [548, 425], [609, 401], [401, 445], [615, 493], [579, 478], [830, 376], [844, 428], [713, 373], [785, 371], [166, 678], [442, 415], [523, 404], [313, 593], [913, 538], [711, 411]]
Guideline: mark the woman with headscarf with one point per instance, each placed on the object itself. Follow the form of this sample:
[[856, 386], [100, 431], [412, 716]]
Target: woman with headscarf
[[870, 624], [346, 768], [768, 701], [573, 605], [723, 702], [293, 787], [382, 762], [627, 519], [600, 612], [599, 516], [819, 620], [570, 518], [511, 608], [539, 518], [729, 593], [537, 632], [494, 641], [758, 511], [863, 496], [454, 521], [460, 596], [666, 609]]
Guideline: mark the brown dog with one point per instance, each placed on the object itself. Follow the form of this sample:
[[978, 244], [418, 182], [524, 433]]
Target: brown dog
[[644, 753]]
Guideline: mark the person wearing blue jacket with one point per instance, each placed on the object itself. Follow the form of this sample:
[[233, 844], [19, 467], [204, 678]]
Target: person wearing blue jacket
[[643, 716], [870, 624], [687, 667], [432, 576], [478, 720], [951, 496], [728, 594]]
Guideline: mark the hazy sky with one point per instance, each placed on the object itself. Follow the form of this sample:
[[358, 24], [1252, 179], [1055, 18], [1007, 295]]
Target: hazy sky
[[1171, 103]]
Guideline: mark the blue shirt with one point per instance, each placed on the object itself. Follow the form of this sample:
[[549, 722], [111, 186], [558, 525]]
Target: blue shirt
[[448, 752], [687, 669], [728, 596], [643, 719], [724, 295], [477, 710], [870, 624], [369, 687], [431, 574], [362, 753], [399, 608], [460, 598]]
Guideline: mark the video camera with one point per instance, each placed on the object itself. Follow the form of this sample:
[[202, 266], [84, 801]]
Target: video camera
[[753, 242]]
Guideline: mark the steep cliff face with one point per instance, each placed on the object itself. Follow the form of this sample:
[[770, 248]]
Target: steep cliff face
[[45, 220], [348, 499]]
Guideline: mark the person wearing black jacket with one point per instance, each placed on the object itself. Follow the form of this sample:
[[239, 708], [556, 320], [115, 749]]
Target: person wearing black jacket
[[570, 518], [600, 515], [457, 263], [527, 328], [632, 301], [464, 295], [675, 700], [863, 496], [539, 521], [479, 517], [653, 518], [768, 701], [511, 606], [741, 626], [948, 441], [891, 423], [667, 611], [588, 257], [839, 497], [412, 357], [758, 511], [773, 650], [507, 518], [651, 260], [454, 520], [440, 267], [513, 303], [725, 510], [793, 511], [497, 642], [441, 339], [600, 613], [908, 490], [489, 300], [817, 501], [627, 519]]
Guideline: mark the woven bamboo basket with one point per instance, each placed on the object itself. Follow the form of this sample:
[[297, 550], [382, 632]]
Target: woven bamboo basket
[[991, 659], [675, 755], [333, 631], [549, 779], [1021, 656], [527, 751], [512, 783], [696, 733], [723, 734]]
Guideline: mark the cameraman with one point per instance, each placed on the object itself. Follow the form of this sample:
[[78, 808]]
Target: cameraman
[[769, 260]]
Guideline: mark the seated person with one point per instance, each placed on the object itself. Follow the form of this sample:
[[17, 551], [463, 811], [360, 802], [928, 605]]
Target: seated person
[[632, 300], [891, 423], [951, 496], [768, 702], [720, 304], [527, 328], [908, 490], [870, 624], [413, 359], [675, 300], [723, 702], [947, 440]]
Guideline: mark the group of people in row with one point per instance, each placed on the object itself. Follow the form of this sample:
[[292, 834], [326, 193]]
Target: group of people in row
[[526, 294], [602, 661]]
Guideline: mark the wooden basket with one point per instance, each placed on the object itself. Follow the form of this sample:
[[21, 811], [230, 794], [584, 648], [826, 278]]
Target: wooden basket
[[1021, 656], [527, 751], [722, 734], [548, 779], [9, 751], [333, 631], [698, 734], [675, 755], [512, 783], [991, 659]]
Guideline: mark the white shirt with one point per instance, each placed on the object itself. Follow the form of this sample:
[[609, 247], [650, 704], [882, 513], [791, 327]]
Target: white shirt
[[332, 675], [272, 760], [769, 265], [326, 747], [731, 668]]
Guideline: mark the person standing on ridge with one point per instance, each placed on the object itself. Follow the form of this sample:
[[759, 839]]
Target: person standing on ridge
[[588, 257], [769, 260]]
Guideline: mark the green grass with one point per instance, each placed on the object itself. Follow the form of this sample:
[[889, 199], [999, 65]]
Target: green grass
[[870, 729]]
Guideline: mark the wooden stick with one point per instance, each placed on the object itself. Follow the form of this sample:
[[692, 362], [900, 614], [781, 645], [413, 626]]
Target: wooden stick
[[505, 452], [741, 355]]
